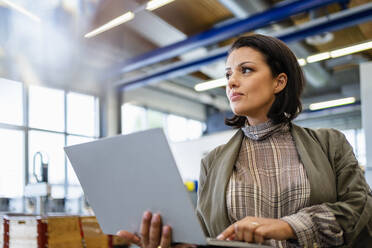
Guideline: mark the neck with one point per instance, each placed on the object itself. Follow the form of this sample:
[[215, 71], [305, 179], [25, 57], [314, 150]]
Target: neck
[[254, 121]]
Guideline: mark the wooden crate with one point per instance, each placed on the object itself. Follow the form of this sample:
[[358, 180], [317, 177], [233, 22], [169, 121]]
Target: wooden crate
[[63, 231], [30, 231], [41, 232], [21, 231], [92, 233]]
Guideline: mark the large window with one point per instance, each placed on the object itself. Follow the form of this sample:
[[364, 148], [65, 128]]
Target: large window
[[49, 144], [46, 109], [42, 123], [11, 102], [133, 118], [11, 163], [81, 114], [177, 128]]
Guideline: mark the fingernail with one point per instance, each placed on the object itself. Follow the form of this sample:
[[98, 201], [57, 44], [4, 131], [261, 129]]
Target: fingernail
[[166, 230], [220, 236], [118, 233], [147, 215], [157, 217]]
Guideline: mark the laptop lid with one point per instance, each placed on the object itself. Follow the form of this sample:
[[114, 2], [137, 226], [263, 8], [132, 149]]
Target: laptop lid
[[125, 175]]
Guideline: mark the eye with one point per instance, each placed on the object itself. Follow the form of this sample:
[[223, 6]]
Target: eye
[[228, 75], [245, 69]]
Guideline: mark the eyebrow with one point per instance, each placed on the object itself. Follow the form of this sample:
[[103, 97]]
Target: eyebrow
[[242, 63]]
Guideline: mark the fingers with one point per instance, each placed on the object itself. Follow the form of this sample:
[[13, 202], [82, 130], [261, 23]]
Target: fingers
[[246, 231], [152, 232], [145, 227], [239, 232], [129, 237], [247, 235], [155, 231], [242, 230], [258, 238], [227, 233], [232, 237], [166, 237]]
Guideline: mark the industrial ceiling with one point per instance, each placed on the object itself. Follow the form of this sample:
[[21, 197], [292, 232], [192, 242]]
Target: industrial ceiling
[[178, 45]]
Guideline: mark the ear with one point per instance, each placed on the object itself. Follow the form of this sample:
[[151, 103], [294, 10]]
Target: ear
[[280, 82]]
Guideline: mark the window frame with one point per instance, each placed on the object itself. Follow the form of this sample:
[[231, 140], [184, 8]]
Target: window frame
[[25, 128]]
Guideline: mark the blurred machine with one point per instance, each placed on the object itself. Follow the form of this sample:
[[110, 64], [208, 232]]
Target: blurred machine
[[39, 188]]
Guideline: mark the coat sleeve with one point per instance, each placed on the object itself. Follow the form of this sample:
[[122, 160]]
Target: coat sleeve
[[315, 226], [353, 208]]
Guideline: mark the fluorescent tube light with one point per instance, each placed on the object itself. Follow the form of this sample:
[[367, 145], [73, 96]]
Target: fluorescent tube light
[[211, 84], [113, 23], [22, 10], [318, 57], [333, 103], [154, 4], [301, 62], [351, 49]]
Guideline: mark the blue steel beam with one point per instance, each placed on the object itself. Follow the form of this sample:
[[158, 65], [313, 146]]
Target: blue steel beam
[[337, 21], [217, 34]]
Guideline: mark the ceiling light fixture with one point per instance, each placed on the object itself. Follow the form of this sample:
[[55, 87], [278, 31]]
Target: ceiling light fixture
[[154, 4], [22, 10], [302, 62], [318, 57], [333, 103], [351, 49], [111, 24], [211, 84]]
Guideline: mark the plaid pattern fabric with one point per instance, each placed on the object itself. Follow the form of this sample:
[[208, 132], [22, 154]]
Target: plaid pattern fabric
[[270, 181]]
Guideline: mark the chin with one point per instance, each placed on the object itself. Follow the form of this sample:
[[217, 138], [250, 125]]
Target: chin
[[239, 111]]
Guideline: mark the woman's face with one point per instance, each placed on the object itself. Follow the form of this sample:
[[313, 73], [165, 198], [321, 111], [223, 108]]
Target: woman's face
[[251, 87]]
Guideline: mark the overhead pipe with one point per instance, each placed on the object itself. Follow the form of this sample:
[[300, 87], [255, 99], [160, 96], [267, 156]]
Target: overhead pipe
[[333, 22], [214, 35]]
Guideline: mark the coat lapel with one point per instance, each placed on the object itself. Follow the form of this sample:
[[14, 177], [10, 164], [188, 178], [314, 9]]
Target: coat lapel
[[222, 171], [318, 169]]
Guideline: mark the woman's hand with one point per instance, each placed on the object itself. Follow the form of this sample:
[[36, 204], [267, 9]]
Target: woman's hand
[[256, 230], [153, 233]]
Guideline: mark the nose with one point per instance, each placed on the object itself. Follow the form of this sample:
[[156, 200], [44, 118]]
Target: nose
[[232, 82]]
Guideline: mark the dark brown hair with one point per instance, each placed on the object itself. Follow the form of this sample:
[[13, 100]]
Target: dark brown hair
[[287, 104]]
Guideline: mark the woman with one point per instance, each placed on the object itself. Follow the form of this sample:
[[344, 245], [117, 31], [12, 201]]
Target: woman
[[275, 182]]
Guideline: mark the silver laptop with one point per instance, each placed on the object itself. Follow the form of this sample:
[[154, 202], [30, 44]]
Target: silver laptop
[[125, 175]]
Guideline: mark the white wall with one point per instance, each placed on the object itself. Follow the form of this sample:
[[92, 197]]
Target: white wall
[[189, 153]]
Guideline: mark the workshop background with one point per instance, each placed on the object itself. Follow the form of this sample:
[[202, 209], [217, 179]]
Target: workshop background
[[73, 71]]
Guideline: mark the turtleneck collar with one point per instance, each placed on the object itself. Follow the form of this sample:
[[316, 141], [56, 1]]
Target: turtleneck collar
[[264, 130]]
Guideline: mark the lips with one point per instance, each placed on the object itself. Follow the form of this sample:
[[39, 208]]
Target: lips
[[235, 96]]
